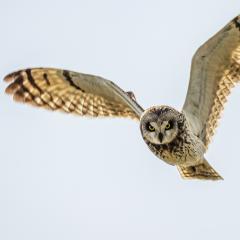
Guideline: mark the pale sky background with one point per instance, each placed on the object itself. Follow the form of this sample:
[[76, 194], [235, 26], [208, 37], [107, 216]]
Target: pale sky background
[[65, 177]]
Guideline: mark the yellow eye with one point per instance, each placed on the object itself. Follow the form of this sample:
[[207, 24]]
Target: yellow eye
[[150, 128], [168, 126]]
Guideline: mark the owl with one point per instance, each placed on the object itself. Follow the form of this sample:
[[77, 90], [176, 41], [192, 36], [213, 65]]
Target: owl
[[180, 138]]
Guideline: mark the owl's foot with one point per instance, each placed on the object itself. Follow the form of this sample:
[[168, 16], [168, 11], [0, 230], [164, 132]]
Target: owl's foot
[[131, 95]]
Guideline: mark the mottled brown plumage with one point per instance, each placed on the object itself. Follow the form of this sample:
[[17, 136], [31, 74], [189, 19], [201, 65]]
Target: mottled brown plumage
[[215, 70], [71, 92], [179, 138]]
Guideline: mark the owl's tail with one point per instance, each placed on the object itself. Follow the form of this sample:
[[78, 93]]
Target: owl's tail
[[203, 171]]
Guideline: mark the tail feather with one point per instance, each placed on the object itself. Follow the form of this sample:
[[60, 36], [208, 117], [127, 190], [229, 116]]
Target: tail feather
[[203, 171]]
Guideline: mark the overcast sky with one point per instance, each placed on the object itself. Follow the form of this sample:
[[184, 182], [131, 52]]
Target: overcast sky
[[65, 177]]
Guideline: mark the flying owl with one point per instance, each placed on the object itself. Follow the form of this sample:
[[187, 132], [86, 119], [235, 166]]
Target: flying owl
[[179, 138]]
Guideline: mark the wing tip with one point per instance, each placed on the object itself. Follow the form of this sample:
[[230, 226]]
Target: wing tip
[[11, 88], [14, 79], [12, 76], [236, 21]]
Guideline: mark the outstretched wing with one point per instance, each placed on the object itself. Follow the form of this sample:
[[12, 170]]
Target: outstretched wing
[[215, 70], [71, 92]]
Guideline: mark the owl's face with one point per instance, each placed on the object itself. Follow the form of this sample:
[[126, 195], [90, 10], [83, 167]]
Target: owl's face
[[159, 125]]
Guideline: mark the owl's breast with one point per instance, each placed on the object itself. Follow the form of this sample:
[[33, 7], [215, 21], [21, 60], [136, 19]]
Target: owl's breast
[[175, 153], [169, 154]]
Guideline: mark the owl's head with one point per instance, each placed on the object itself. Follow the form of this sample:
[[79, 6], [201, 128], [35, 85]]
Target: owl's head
[[160, 124]]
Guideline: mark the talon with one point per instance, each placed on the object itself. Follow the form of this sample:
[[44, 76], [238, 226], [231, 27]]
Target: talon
[[131, 95]]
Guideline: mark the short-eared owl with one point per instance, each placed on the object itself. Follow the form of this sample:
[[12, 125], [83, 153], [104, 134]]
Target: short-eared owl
[[178, 138]]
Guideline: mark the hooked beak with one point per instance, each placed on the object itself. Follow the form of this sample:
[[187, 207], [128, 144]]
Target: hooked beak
[[160, 136]]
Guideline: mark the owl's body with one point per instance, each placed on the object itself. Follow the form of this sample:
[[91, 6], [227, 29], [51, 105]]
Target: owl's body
[[181, 147], [179, 138]]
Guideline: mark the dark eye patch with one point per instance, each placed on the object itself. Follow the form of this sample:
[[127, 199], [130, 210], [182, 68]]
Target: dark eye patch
[[149, 127], [171, 123]]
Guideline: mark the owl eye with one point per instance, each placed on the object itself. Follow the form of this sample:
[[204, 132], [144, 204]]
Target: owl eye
[[150, 127], [168, 126]]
